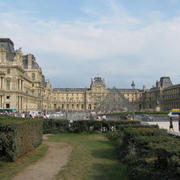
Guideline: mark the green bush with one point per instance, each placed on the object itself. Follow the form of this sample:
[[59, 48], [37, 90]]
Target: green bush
[[112, 136], [82, 126], [150, 152], [55, 126], [18, 136]]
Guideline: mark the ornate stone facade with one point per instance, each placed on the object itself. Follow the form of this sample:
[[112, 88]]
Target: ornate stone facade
[[97, 97], [22, 84], [162, 97], [23, 87]]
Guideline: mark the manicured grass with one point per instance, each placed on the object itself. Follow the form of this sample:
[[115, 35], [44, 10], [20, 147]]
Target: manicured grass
[[93, 158], [10, 169]]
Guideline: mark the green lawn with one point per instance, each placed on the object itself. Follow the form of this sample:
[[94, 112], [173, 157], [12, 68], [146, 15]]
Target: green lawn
[[10, 169], [93, 158]]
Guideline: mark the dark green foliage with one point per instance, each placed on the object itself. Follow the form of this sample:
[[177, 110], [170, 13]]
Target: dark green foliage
[[113, 135], [150, 152], [55, 126], [82, 126], [18, 136]]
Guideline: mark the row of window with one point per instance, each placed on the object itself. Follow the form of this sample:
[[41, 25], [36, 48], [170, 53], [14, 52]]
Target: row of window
[[172, 91], [171, 96], [8, 84], [72, 106], [69, 96], [173, 105]]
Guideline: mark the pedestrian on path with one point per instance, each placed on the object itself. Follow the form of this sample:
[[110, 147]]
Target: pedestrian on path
[[170, 124], [179, 123]]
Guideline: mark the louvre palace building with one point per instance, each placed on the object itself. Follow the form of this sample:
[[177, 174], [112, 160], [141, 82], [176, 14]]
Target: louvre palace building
[[23, 87]]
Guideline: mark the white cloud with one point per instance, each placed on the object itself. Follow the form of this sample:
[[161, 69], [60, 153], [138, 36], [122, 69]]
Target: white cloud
[[143, 48]]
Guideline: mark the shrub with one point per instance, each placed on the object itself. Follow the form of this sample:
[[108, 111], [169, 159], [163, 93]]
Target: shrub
[[55, 126], [150, 152], [18, 136], [83, 126]]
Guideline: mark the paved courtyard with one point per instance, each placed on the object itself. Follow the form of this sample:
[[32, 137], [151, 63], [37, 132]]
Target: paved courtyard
[[165, 125]]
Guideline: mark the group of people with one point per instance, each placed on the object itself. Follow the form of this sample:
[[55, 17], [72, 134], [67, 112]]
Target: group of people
[[26, 114], [171, 124], [99, 118], [129, 117]]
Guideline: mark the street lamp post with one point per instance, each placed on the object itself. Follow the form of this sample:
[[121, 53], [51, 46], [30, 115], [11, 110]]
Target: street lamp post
[[26, 99], [42, 100], [3, 99]]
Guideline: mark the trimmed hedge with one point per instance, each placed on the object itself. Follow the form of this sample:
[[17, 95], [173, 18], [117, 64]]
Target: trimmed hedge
[[151, 153], [55, 126], [85, 126], [18, 136]]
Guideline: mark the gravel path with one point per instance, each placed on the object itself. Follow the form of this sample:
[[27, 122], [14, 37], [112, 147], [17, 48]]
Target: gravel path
[[47, 167]]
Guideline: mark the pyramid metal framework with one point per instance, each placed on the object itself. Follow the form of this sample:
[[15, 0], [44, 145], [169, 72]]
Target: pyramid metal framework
[[115, 101]]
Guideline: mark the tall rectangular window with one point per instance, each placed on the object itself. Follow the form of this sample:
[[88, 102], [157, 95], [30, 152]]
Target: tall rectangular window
[[8, 81], [33, 76]]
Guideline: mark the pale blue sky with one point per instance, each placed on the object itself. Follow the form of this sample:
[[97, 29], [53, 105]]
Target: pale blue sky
[[74, 40]]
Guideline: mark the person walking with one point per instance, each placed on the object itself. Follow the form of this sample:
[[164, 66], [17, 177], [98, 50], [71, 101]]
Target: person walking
[[179, 123], [104, 117], [170, 124]]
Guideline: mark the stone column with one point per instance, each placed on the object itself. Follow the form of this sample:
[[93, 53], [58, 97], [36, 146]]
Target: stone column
[[18, 103], [21, 85], [21, 102], [1, 100], [2, 83], [18, 85]]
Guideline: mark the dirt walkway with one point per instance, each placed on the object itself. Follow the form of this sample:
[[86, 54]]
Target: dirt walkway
[[47, 167]]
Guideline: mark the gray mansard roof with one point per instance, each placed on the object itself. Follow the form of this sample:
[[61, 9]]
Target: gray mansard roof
[[8, 45], [123, 90], [97, 81], [165, 82], [34, 63]]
